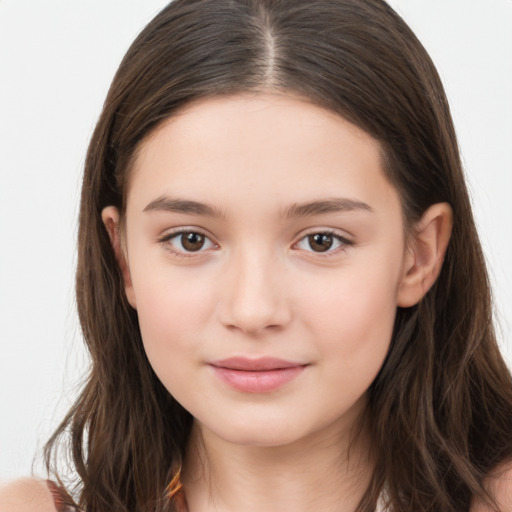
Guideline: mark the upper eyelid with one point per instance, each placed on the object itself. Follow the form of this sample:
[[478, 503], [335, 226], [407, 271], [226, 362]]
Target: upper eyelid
[[340, 234], [172, 232]]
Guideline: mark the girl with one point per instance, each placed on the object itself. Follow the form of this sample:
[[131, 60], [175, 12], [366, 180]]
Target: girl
[[279, 278]]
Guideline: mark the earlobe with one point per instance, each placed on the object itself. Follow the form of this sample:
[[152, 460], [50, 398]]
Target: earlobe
[[425, 254], [111, 219]]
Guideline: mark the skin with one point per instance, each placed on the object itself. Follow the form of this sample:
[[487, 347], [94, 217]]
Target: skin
[[259, 286]]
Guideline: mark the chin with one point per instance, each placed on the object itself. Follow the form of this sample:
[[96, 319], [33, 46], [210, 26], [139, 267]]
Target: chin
[[258, 433], [261, 440]]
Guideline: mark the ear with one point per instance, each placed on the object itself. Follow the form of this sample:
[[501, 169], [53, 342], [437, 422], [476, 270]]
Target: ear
[[111, 219], [425, 253]]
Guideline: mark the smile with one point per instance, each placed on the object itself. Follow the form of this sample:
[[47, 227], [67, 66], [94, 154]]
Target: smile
[[256, 375]]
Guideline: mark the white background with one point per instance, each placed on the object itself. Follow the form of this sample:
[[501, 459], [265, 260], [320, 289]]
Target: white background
[[57, 59]]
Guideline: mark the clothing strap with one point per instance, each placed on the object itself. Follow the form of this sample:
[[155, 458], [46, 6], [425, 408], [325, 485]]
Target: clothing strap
[[59, 497]]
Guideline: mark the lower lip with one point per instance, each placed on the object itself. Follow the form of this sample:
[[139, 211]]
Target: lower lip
[[258, 381]]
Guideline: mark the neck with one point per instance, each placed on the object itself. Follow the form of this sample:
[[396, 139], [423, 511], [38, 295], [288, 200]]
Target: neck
[[328, 471]]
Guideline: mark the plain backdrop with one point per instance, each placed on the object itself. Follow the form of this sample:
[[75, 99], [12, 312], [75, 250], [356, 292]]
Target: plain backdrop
[[57, 59]]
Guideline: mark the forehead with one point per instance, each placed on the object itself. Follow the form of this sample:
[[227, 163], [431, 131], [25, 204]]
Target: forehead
[[258, 146]]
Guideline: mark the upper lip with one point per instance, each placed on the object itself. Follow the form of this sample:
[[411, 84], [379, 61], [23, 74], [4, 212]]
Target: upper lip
[[255, 365]]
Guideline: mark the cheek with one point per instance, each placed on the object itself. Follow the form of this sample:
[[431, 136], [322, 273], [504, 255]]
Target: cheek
[[171, 320], [353, 319], [172, 312]]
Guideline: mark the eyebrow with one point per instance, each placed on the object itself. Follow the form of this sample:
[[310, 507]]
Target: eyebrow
[[310, 208], [324, 206], [168, 204]]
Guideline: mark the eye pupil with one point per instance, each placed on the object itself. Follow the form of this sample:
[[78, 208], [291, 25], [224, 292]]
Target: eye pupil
[[320, 242], [192, 241]]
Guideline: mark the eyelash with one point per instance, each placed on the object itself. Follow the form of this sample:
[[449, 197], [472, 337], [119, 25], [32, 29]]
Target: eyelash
[[166, 239], [341, 240]]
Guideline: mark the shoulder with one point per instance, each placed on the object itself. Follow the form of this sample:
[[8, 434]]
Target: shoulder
[[26, 495], [499, 485]]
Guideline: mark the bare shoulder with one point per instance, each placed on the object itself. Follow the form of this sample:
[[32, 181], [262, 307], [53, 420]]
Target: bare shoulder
[[499, 484], [26, 495]]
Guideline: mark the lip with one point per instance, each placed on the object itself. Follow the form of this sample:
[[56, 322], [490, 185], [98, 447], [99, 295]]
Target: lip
[[260, 375]]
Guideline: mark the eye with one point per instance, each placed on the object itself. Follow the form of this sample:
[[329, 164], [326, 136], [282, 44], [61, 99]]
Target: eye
[[322, 242], [188, 242]]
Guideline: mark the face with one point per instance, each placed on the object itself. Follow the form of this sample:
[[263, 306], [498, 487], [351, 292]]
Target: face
[[264, 253]]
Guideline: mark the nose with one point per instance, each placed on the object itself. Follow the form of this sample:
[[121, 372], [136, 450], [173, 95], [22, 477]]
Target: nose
[[254, 295]]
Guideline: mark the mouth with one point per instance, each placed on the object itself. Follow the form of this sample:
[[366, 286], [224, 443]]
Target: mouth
[[260, 375]]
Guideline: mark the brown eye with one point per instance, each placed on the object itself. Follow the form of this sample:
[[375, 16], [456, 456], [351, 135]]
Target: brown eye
[[192, 241], [188, 242], [323, 242], [320, 242]]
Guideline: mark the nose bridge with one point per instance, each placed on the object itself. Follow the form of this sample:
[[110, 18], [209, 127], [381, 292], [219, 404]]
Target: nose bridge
[[254, 295]]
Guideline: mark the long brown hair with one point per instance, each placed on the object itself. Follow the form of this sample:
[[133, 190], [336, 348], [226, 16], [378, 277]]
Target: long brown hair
[[440, 409]]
